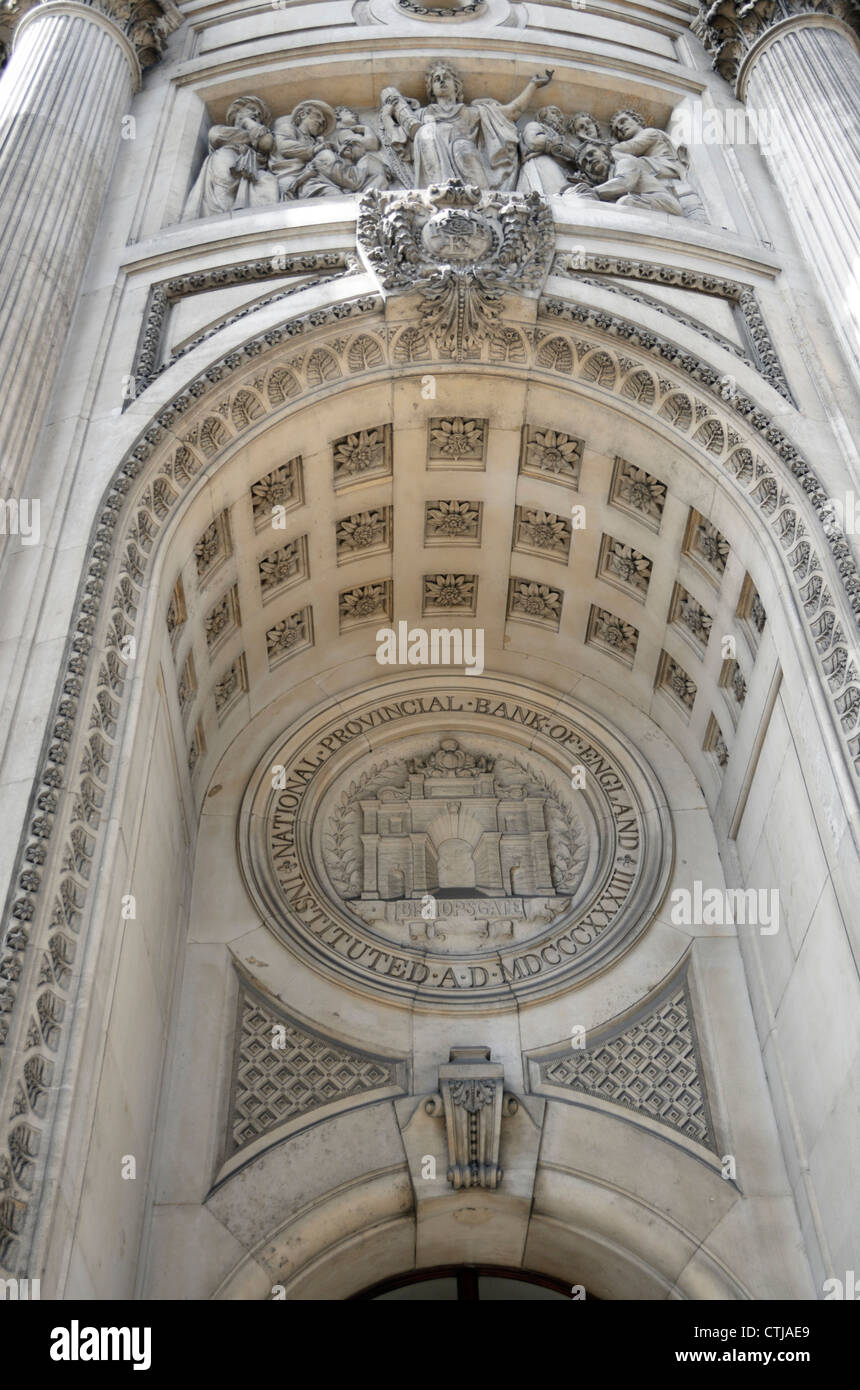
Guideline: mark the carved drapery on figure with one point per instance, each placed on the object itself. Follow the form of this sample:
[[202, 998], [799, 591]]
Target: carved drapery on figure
[[317, 151]]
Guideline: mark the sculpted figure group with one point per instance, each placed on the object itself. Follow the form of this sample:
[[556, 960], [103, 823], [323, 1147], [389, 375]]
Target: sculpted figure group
[[317, 150]]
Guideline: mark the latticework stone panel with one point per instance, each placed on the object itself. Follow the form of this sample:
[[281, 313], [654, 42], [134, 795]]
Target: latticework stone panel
[[652, 1066], [283, 1071]]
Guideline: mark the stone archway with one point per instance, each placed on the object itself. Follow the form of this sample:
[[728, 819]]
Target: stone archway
[[456, 865], [155, 500]]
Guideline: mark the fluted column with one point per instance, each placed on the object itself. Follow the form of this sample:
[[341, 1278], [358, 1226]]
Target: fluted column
[[63, 93], [796, 64]]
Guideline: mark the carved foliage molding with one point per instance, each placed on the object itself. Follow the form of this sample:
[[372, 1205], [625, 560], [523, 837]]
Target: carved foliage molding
[[147, 363], [730, 28], [602, 270], [147, 24]]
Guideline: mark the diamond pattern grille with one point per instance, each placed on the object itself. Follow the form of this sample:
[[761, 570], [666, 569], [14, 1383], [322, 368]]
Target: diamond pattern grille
[[652, 1067], [274, 1084]]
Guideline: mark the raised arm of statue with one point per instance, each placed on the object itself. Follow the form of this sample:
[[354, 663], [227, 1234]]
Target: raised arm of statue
[[514, 109], [406, 117]]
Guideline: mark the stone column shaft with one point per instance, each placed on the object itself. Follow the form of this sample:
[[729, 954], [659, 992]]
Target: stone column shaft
[[808, 79], [62, 96]]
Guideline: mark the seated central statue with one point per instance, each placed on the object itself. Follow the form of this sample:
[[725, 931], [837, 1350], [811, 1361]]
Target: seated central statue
[[452, 139]]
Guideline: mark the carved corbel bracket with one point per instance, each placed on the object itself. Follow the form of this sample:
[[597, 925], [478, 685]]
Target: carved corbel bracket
[[473, 1102]]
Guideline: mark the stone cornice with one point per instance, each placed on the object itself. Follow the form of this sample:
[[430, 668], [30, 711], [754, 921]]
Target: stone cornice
[[732, 30]]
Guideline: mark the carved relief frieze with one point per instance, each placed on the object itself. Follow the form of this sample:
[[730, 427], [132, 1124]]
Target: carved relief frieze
[[317, 150]]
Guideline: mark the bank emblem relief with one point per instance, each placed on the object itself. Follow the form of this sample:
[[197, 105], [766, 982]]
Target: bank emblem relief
[[456, 848], [436, 847], [461, 248]]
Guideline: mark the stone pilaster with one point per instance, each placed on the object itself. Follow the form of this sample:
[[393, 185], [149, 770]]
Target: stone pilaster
[[796, 63], [68, 82]]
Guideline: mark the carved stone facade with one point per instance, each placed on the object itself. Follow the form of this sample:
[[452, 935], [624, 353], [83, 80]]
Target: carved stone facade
[[730, 29], [283, 1072], [471, 1098]]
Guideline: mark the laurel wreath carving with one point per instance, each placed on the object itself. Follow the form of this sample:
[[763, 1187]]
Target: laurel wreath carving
[[342, 853], [567, 838]]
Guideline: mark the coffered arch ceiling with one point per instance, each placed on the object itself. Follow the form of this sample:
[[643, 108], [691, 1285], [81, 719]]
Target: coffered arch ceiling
[[583, 509], [325, 415], [564, 529], [327, 412], [385, 491]]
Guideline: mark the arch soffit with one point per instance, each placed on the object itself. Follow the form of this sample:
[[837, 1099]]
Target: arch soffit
[[577, 1216]]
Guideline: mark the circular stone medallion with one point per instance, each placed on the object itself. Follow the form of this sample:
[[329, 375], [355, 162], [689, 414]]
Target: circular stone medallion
[[471, 843]]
